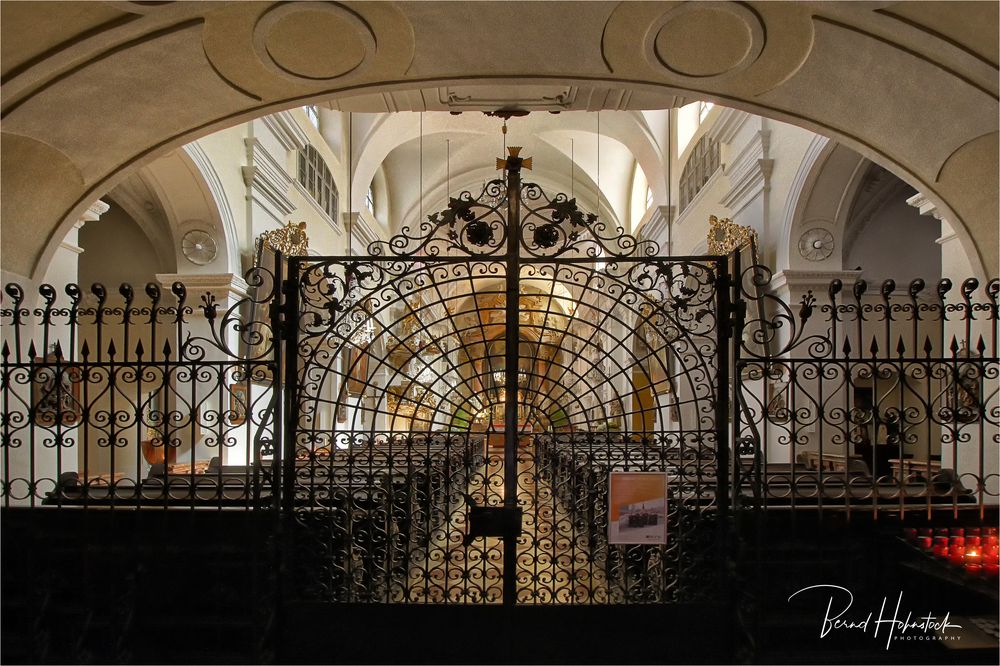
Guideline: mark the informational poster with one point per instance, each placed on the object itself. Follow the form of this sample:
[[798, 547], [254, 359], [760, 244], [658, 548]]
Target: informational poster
[[637, 511]]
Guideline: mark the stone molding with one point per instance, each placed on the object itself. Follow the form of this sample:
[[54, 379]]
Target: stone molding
[[749, 173], [221, 285], [266, 177]]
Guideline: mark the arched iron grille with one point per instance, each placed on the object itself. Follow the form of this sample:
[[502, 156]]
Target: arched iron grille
[[411, 415]]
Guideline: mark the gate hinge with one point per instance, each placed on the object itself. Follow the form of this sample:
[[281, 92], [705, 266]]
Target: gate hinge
[[280, 313], [735, 319]]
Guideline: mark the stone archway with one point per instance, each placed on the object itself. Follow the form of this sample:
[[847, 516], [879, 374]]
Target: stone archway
[[92, 92]]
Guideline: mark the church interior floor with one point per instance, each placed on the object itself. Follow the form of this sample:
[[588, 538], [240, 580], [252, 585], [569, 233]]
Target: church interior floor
[[555, 562]]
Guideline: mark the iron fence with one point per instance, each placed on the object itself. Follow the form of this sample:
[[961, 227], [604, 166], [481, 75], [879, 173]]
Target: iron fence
[[140, 400], [856, 400]]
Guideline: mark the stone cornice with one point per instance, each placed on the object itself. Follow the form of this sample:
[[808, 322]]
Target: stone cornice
[[266, 177], [286, 130], [221, 285], [924, 205], [749, 173], [728, 124], [796, 279], [94, 212]]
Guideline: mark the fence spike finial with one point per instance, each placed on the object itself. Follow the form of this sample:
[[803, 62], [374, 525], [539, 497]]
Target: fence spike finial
[[943, 287], [166, 349], [954, 346], [139, 350], [981, 347], [900, 346], [5, 352], [112, 350], [31, 350], [888, 286], [860, 287], [847, 346], [874, 346], [928, 346], [85, 350]]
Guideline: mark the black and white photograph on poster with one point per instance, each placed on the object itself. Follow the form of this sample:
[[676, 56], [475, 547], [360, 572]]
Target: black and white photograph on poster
[[637, 507]]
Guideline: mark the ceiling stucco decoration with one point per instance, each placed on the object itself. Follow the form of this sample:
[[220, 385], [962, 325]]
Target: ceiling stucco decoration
[[314, 41], [725, 46], [274, 50], [699, 40]]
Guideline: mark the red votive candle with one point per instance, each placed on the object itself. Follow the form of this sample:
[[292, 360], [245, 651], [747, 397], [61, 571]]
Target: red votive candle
[[973, 569], [992, 531], [925, 542], [925, 532], [941, 531], [992, 540], [958, 531], [957, 541], [973, 541], [957, 555], [972, 531], [940, 541], [910, 534], [991, 570]]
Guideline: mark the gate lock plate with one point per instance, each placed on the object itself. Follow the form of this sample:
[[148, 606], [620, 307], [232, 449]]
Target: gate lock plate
[[495, 521]]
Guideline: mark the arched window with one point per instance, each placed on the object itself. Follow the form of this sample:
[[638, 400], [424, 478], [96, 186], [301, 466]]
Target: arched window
[[701, 164], [315, 176], [703, 109], [312, 112], [641, 197]]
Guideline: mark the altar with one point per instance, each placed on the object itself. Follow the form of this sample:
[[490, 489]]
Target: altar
[[495, 436]]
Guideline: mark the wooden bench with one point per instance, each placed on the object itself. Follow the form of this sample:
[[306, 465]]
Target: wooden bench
[[834, 462], [924, 469]]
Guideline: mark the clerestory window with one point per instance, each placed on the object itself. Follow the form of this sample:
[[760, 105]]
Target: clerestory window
[[701, 164], [315, 177]]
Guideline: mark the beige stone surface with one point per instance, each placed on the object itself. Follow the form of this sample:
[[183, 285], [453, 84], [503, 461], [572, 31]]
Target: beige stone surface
[[99, 89]]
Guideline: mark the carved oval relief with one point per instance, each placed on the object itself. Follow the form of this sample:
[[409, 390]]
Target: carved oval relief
[[313, 40], [701, 40]]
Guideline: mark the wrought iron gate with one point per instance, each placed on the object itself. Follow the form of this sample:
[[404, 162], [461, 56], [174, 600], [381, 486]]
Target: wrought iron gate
[[458, 399]]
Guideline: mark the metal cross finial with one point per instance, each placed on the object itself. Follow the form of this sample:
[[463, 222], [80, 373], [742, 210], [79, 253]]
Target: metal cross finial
[[514, 161]]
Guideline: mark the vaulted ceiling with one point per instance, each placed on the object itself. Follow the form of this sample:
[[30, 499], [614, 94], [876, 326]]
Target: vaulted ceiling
[[91, 91]]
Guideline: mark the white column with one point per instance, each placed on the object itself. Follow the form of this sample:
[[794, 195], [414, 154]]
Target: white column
[[749, 174], [208, 393], [955, 266], [790, 287], [49, 461]]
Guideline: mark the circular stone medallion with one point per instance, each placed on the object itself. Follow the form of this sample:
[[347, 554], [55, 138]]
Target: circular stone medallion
[[700, 40], [316, 41]]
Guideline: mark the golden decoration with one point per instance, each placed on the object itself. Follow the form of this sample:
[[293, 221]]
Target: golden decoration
[[290, 240], [725, 236], [514, 152]]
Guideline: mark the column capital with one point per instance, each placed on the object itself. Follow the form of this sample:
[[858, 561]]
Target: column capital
[[223, 286], [93, 213], [924, 205], [815, 280]]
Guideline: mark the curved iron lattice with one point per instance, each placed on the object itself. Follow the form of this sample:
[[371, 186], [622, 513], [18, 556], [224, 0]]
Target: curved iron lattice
[[476, 227], [403, 360], [877, 402], [138, 399]]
